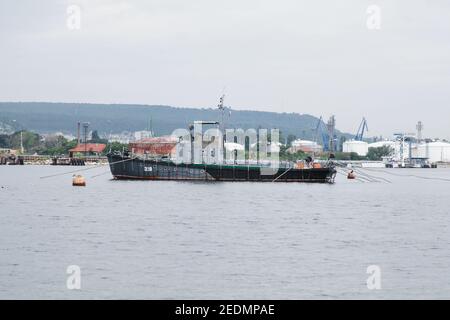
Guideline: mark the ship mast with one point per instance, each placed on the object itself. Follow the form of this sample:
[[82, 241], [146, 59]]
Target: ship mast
[[221, 108]]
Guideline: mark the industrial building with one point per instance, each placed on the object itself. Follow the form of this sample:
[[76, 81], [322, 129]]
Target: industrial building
[[436, 151], [155, 146], [305, 146], [87, 149]]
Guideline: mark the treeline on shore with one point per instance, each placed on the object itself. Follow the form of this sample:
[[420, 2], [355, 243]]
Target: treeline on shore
[[53, 145]]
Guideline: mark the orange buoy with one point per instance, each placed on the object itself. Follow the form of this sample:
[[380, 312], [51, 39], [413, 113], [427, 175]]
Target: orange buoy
[[351, 175], [317, 165], [78, 181]]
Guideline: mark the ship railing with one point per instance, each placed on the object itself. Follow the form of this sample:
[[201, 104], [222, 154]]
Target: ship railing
[[264, 163]]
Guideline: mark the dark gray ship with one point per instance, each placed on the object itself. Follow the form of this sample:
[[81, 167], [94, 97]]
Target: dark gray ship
[[128, 166], [152, 160]]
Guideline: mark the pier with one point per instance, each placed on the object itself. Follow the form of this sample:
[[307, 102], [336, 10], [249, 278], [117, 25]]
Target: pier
[[51, 160]]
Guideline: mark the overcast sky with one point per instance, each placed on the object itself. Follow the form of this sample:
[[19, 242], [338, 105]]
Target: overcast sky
[[317, 57]]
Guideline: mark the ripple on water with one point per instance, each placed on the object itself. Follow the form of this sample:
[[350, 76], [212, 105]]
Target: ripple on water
[[223, 240]]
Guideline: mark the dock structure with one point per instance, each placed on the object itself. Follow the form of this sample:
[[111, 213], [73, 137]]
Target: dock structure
[[67, 161], [52, 160]]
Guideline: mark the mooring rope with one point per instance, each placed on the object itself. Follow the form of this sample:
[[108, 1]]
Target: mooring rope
[[360, 171], [361, 178], [100, 174], [282, 174], [368, 177], [85, 169], [345, 175], [408, 175]]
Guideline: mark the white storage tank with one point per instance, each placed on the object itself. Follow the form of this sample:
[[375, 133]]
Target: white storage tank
[[437, 151], [359, 147]]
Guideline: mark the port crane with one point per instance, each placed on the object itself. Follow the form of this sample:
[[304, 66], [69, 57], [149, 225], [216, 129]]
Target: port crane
[[327, 142], [405, 140], [320, 134], [363, 127]]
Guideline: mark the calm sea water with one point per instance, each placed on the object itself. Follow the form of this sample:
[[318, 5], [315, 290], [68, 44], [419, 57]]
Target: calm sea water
[[181, 240]]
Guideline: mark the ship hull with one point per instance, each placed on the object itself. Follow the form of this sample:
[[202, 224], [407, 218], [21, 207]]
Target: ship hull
[[140, 169]]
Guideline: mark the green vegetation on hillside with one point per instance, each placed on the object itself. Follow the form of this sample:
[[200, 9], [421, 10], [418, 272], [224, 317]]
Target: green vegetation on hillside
[[43, 117]]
